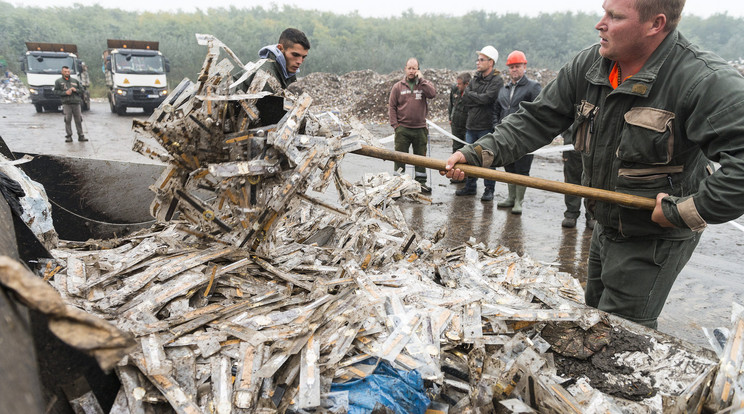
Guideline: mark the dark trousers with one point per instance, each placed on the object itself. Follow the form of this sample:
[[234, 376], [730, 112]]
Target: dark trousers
[[470, 182], [459, 132], [72, 111], [521, 166], [572, 169], [416, 137], [632, 277]]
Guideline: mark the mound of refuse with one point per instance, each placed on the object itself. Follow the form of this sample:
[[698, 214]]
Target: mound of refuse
[[365, 94], [12, 90]]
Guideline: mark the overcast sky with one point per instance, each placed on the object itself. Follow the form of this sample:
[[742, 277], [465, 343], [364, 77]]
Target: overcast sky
[[384, 8]]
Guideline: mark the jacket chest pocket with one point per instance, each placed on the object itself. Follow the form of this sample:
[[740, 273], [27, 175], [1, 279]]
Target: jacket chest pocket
[[584, 121], [647, 137]]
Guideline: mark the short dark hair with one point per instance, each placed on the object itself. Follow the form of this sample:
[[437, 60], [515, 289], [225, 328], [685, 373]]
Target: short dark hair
[[672, 9], [65, 67], [464, 77], [292, 36]]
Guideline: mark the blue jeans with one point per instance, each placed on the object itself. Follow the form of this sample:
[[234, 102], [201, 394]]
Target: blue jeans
[[471, 182]]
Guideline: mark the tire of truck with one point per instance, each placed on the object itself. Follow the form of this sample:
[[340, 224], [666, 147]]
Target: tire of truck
[[39, 108], [111, 105], [85, 105]]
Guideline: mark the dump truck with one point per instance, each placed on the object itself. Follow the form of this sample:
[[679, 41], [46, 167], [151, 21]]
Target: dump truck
[[43, 64], [135, 72]]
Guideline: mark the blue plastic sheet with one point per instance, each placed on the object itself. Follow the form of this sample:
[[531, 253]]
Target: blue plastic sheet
[[399, 390]]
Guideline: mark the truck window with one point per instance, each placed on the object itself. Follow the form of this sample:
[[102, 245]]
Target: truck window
[[129, 63], [48, 64]]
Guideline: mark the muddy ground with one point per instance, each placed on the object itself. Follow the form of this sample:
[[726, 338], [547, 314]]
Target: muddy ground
[[702, 296]]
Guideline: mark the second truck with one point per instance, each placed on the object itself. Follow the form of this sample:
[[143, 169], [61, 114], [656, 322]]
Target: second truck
[[135, 73]]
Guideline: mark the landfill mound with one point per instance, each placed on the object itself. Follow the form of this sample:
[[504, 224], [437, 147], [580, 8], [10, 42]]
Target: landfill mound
[[253, 293], [365, 94], [12, 90]]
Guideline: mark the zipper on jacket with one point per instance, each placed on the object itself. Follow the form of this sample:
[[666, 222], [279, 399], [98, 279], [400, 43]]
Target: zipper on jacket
[[591, 120]]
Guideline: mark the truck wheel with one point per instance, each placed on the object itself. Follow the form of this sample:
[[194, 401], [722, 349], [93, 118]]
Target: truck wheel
[[85, 106], [39, 108], [111, 106]]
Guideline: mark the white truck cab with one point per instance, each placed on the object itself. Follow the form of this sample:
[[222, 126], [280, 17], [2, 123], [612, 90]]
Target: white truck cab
[[135, 73]]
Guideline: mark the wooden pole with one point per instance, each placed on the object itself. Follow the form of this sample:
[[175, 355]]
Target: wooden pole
[[622, 199]]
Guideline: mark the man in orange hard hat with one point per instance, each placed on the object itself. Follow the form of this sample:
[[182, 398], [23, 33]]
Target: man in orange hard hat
[[519, 89]]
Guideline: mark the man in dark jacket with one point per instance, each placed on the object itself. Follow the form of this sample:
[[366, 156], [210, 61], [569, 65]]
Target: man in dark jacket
[[458, 114], [519, 89], [407, 109], [70, 91], [283, 62], [651, 111], [479, 98]]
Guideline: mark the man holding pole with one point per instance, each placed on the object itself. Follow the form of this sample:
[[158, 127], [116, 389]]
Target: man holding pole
[[650, 111]]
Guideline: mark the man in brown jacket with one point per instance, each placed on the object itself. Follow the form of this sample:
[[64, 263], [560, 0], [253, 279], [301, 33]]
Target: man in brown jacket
[[408, 108]]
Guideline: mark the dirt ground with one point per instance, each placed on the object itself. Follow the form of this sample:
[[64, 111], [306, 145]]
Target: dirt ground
[[702, 296]]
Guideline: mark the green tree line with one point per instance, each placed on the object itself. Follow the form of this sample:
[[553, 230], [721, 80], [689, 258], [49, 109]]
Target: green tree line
[[340, 42]]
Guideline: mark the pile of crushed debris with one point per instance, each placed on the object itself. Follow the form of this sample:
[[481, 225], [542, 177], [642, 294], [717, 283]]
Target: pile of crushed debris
[[253, 294], [365, 94], [12, 90]]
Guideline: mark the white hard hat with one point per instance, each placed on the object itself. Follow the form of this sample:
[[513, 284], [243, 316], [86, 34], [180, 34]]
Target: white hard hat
[[491, 52]]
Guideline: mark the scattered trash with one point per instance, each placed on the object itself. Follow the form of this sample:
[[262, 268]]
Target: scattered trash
[[12, 90], [258, 291]]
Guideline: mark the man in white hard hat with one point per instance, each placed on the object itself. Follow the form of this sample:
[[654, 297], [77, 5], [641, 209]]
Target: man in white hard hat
[[479, 99]]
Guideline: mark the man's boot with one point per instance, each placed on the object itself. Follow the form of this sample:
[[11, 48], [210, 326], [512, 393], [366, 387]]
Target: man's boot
[[487, 194], [509, 202], [519, 197]]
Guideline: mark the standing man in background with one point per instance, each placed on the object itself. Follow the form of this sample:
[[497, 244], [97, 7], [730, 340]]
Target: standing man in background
[[458, 114], [519, 89], [71, 93], [479, 99], [408, 107]]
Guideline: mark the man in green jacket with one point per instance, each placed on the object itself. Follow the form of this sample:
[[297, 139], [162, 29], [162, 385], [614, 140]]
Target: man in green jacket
[[651, 111], [71, 93]]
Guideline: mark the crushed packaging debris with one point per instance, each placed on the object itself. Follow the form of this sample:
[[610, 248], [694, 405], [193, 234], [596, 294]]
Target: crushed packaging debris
[[12, 89], [255, 292]]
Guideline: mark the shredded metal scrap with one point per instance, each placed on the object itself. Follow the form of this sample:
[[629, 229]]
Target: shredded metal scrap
[[254, 295]]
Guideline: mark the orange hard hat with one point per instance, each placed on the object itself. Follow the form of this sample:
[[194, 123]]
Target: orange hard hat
[[516, 57]]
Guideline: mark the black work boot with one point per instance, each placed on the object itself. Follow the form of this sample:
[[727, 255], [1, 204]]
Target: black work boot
[[487, 195]]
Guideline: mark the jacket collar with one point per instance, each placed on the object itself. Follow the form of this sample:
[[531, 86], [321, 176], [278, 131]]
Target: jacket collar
[[642, 82], [486, 77], [521, 82]]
